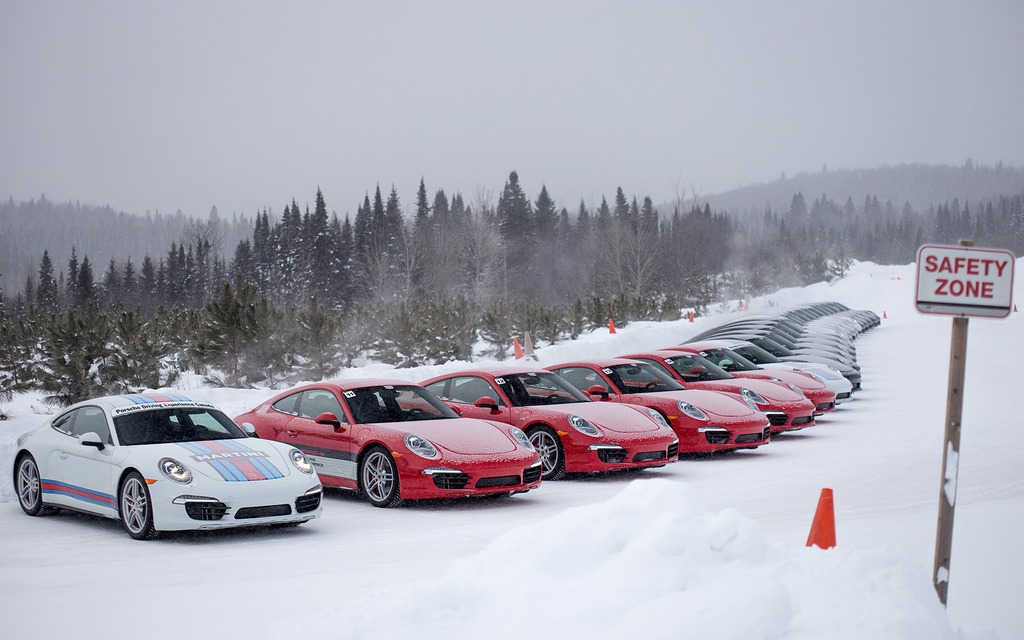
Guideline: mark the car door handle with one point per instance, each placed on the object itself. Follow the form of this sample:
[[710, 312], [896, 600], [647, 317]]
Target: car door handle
[[63, 455], [292, 434]]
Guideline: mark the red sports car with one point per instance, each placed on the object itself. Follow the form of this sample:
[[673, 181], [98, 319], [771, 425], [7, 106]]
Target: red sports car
[[705, 421], [787, 410], [572, 433], [824, 400], [393, 440]]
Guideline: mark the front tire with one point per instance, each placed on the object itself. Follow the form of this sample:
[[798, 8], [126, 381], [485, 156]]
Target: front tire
[[378, 478], [549, 445], [136, 507], [29, 485]]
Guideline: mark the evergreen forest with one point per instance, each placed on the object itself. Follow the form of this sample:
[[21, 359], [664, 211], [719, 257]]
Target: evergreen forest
[[301, 294]]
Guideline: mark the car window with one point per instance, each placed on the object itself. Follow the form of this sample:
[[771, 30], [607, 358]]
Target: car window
[[316, 401], [438, 389], [392, 403], [582, 378], [155, 426], [63, 423], [640, 378], [287, 404], [470, 388], [91, 419]]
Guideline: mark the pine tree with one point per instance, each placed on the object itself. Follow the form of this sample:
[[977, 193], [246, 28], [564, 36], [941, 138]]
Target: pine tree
[[46, 290], [75, 348]]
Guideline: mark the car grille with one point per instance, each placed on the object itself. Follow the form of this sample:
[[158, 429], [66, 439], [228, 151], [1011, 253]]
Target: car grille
[[750, 437], [247, 513], [803, 420], [776, 419], [647, 456], [498, 481], [716, 436], [450, 480], [206, 510], [307, 503], [611, 456], [842, 396], [673, 450], [825, 406], [532, 474]]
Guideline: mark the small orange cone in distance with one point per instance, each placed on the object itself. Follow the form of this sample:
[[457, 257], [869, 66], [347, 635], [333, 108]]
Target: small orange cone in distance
[[885, 316], [746, 303], [518, 350], [823, 528], [1015, 309], [611, 326], [691, 316]]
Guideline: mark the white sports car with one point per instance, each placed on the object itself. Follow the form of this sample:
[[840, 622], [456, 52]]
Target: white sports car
[[162, 462]]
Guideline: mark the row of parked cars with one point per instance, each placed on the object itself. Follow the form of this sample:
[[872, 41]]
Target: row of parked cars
[[166, 462]]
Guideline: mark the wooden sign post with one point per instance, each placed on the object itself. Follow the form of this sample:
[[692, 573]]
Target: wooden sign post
[[959, 281]]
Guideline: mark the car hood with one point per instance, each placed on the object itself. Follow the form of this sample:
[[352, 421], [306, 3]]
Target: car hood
[[770, 391], [234, 460], [613, 418], [715, 404], [465, 436]]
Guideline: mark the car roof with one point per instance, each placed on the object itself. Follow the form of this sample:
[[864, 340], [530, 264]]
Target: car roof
[[148, 400], [597, 362], [496, 370]]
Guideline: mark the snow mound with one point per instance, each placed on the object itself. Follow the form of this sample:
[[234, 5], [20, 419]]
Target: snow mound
[[684, 573]]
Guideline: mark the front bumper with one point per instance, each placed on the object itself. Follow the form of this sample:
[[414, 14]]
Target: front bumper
[[238, 504]]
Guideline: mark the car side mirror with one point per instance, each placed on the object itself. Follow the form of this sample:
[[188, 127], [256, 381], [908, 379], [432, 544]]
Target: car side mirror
[[91, 439], [483, 402], [598, 390], [249, 430], [330, 420], [454, 407]]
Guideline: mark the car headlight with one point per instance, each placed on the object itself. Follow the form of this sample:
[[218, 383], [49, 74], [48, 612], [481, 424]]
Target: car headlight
[[816, 377], [692, 411], [521, 437], [584, 426], [421, 446], [753, 396], [795, 388], [657, 417], [300, 461], [174, 470]]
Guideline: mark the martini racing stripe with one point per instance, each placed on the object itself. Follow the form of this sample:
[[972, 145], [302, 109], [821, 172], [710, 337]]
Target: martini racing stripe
[[233, 460], [78, 493]]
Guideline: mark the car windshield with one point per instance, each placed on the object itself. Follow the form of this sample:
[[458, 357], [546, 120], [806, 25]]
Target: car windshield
[[728, 360], [772, 346], [694, 368], [755, 354], [159, 426], [532, 389], [641, 377], [396, 403]]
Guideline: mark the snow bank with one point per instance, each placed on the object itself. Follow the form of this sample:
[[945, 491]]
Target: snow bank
[[685, 572]]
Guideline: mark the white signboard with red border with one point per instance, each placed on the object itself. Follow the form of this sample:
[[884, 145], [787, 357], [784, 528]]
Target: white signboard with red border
[[965, 281]]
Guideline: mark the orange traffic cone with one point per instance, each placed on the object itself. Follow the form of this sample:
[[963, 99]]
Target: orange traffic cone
[[746, 303], [611, 326], [885, 316], [1015, 308], [691, 316], [517, 349], [528, 346], [823, 528]]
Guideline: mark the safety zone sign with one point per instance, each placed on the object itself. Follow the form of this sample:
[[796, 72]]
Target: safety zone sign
[[965, 281]]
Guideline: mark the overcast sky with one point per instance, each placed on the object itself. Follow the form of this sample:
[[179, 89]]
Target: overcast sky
[[245, 105]]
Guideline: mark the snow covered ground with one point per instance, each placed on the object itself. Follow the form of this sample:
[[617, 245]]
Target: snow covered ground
[[704, 548]]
